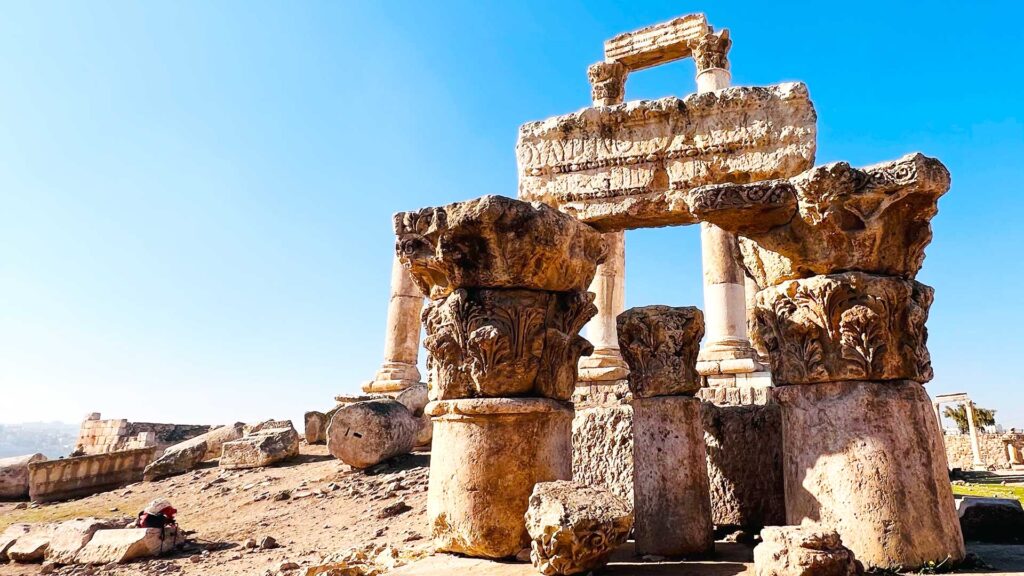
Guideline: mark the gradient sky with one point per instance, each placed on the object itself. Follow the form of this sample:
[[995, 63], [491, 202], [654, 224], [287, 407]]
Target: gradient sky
[[195, 197]]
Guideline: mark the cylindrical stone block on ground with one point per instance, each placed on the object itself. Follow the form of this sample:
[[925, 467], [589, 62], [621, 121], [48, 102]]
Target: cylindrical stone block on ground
[[487, 456], [672, 502], [366, 433], [867, 458]]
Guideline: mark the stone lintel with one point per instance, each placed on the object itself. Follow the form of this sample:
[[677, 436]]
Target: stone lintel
[[656, 44]]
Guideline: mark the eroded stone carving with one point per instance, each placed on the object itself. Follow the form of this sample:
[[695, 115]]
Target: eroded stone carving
[[607, 83], [711, 50], [656, 44], [660, 344], [830, 218], [502, 343], [496, 242], [806, 550], [851, 326], [613, 166], [574, 528]]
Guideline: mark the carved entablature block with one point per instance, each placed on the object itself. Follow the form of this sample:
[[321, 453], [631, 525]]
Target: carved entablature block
[[660, 345], [850, 326], [831, 218], [607, 83], [614, 166], [497, 242], [505, 343]]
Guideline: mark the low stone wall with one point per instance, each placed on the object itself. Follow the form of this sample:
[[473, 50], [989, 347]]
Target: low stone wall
[[103, 436], [992, 447], [84, 475]]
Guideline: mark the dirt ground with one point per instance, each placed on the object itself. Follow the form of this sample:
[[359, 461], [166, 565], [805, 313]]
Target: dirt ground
[[330, 508]]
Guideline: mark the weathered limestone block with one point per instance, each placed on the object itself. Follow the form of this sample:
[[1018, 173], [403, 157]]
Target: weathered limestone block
[[262, 448], [616, 167], [367, 433], [991, 519], [415, 399], [830, 218], [660, 345], [850, 326], [187, 455], [71, 536], [503, 343], [867, 459], [602, 449], [31, 546], [124, 545], [14, 475], [314, 427], [574, 528], [656, 44], [9, 537], [65, 478], [672, 498], [267, 425], [744, 459], [488, 454], [497, 242], [806, 550]]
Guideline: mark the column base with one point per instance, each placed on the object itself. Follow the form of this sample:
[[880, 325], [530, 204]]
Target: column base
[[604, 365], [393, 377], [672, 497], [867, 459], [487, 456]]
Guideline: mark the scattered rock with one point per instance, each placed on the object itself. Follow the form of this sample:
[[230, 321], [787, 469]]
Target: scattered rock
[[187, 455], [287, 566], [261, 448], [268, 543], [395, 509], [10, 536], [805, 550], [574, 528]]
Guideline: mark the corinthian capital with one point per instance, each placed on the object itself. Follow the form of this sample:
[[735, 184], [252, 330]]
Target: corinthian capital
[[711, 50]]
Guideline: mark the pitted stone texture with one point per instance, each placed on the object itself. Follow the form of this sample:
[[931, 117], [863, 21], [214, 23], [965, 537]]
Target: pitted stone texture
[[31, 547], [607, 83], [744, 456], [71, 536], [9, 537], [187, 455], [806, 550], [263, 448], [602, 449], [660, 345], [672, 498], [367, 433], [831, 218], [656, 44], [867, 459], [415, 398], [618, 167], [14, 475], [124, 545], [505, 343], [851, 326], [488, 454], [497, 242], [574, 528]]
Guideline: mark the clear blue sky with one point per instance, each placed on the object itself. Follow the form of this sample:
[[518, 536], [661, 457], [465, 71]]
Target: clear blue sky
[[195, 197]]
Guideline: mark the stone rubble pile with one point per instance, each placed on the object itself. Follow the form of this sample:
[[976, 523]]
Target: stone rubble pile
[[87, 541]]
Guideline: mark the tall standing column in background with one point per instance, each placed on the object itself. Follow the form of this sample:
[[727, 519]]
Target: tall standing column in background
[[607, 81], [972, 429], [727, 349], [402, 337]]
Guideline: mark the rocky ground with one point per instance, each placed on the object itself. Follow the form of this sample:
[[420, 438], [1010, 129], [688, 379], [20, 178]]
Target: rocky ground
[[312, 507]]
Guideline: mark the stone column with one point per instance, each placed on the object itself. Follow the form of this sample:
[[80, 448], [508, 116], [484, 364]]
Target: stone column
[[609, 288], [977, 464], [672, 500], [504, 346], [727, 350], [402, 338]]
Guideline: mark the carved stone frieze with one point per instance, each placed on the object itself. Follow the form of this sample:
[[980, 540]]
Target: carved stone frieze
[[505, 343], [874, 219], [614, 166], [660, 345], [497, 242], [711, 50], [607, 82], [850, 326]]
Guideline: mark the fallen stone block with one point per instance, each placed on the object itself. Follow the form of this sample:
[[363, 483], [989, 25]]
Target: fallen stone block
[[574, 528], [187, 455], [119, 546], [367, 433], [31, 546], [14, 475], [262, 448], [415, 399], [316, 423], [71, 536], [806, 550], [268, 425], [999, 520], [75, 477], [10, 536]]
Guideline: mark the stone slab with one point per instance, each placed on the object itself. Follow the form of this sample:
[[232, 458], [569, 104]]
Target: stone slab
[[656, 44], [124, 545]]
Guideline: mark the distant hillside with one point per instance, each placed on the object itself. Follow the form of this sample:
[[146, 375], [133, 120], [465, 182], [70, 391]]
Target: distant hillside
[[54, 439]]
